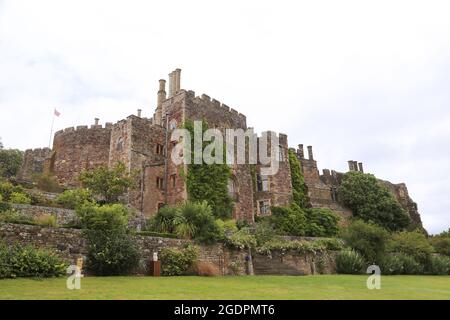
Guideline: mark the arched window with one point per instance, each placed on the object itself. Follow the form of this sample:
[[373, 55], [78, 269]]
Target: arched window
[[119, 144], [232, 188]]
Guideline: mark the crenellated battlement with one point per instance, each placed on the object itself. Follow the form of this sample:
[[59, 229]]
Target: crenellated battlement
[[84, 128]]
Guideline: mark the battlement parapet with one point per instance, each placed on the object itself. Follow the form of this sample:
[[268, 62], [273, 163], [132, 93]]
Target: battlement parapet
[[84, 128], [217, 104]]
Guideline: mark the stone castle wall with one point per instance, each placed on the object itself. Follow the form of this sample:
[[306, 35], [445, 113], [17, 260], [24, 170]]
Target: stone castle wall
[[34, 162], [78, 149]]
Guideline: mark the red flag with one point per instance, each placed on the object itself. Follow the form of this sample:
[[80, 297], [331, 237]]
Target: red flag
[[57, 113]]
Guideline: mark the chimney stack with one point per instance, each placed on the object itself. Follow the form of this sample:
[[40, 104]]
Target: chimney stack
[[350, 165], [177, 80], [171, 84], [96, 121], [310, 153], [139, 113], [361, 169], [301, 151]]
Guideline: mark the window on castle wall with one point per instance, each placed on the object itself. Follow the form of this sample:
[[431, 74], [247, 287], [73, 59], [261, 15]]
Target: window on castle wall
[[159, 149], [159, 183], [264, 207], [173, 179], [119, 144], [232, 189], [262, 182]]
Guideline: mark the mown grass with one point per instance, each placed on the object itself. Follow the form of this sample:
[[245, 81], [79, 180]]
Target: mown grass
[[259, 287]]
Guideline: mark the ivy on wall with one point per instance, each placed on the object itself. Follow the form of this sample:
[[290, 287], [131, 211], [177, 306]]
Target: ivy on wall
[[209, 182], [299, 188]]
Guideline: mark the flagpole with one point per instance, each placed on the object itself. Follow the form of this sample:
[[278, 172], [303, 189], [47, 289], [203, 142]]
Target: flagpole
[[51, 131]]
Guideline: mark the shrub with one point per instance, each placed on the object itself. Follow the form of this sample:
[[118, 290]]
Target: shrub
[[242, 239], [196, 221], [46, 220], [438, 265], [7, 188], [72, 199], [391, 264], [206, 269], [48, 182], [410, 265], [322, 222], [19, 198], [10, 162], [441, 245], [367, 239], [109, 184], [164, 220], [264, 232], [27, 261], [226, 227], [176, 262], [4, 206], [111, 252], [413, 244], [106, 217], [372, 201], [349, 262], [289, 220]]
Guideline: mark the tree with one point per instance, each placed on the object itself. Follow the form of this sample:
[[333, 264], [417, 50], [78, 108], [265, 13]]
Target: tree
[[109, 184], [10, 162], [367, 239], [371, 201]]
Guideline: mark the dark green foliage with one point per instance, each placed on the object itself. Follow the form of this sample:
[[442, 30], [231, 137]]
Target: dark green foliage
[[209, 182], [349, 262], [371, 201], [164, 220], [321, 222], [7, 189], [27, 261], [4, 206], [175, 262], [111, 252], [73, 199], [413, 244], [368, 239], [441, 243], [10, 162], [399, 263], [299, 188], [438, 265], [109, 184], [289, 220]]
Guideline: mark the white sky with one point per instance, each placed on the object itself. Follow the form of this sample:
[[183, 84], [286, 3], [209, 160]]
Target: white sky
[[361, 80]]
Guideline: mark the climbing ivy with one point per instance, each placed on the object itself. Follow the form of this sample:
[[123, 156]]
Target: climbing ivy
[[209, 182], [300, 190]]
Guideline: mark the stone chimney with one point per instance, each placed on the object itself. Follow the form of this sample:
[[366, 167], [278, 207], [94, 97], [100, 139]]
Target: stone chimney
[[301, 151], [139, 112], [174, 82], [350, 165], [310, 153], [96, 121], [360, 165]]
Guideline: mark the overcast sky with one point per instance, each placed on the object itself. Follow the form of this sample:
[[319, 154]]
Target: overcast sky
[[358, 80]]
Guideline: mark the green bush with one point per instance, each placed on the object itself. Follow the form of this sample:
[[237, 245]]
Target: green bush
[[10, 162], [438, 265], [321, 222], [196, 221], [19, 198], [242, 239], [289, 220], [391, 264], [72, 199], [48, 183], [176, 262], [349, 262], [106, 217], [7, 189], [4, 206], [367, 239], [440, 244], [372, 201], [413, 244], [410, 265], [46, 220], [164, 220], [27, 261], [226, 227], [111, 252]]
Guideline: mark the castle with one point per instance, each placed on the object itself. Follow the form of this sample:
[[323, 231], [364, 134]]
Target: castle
[[140, 143]]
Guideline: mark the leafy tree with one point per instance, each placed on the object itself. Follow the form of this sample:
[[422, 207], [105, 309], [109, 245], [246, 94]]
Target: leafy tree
[[289, 220], [75, 198], [441, 243], [10, 162], [209, 182], [322, 222], [109, 184], [106, 217], [414, 244], [369, 240], [371, 201], [299, 188]]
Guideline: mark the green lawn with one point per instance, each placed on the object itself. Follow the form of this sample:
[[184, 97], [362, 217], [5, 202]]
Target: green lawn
[[258, 287]]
